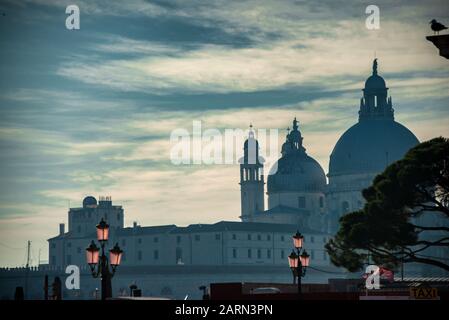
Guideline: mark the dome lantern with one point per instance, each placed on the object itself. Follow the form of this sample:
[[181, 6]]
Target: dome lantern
[[375, 104]]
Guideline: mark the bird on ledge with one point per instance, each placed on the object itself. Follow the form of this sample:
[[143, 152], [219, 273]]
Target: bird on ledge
[[436, 26]]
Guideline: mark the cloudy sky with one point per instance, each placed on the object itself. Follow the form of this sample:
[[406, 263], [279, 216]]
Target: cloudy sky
[[90, 112]]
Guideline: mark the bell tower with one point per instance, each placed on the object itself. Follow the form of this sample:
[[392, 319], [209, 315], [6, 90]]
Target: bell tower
[[251, 179]]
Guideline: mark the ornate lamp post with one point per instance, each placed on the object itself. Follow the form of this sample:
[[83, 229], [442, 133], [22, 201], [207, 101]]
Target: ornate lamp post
[[298, 261], [99, 265]]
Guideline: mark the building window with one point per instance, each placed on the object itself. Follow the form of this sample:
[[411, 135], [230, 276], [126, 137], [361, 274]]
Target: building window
[[139, 241], [321, 202], [282, 254], [53, 260], [78, 229], [69, 244], [312, 239], [249, 253], [259, 254], [118, 216], [312, 255], [78, 250], [178, 239], [178, 255], [156, 254], [156, 239], [234, 236], [69, 259], [123, 242], [123, 256], [197, 237], [249, 236], [53, 245], [301, 202], [234, 253], [268, 237], [268, 254], [345, 206], [259, 237], [324, 256], [217, 236], [324, 239], [139, 255], [282, 238]]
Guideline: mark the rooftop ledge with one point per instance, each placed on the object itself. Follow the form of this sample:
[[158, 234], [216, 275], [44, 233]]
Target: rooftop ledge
[[442, 43]]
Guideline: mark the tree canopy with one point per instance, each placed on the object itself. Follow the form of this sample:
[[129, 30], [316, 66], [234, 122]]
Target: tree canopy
[[397, 223]]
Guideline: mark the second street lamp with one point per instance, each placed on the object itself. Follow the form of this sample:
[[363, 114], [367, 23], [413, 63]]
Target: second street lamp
[[298, 261], [99, 265]]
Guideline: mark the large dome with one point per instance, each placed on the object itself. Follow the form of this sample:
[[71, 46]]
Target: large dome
[[376, 140], [369, 146], [296, 173]]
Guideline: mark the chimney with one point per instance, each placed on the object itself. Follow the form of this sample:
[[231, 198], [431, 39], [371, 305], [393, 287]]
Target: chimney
[[61, 229]]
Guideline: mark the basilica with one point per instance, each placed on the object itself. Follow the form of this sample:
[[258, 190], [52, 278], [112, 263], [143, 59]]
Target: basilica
[[172, 260], [297, 190]]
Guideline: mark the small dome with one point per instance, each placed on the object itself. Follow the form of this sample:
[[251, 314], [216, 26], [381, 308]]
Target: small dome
[[375, 82], [296, 172], [89, 202]]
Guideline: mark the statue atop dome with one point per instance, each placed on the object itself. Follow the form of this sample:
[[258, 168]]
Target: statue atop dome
[[375, 66]]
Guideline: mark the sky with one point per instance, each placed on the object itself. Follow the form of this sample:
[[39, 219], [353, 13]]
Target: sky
[[90, 111]]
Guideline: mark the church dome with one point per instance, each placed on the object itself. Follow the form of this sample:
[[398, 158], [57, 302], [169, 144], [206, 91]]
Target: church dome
[[295, 171], [376, 140], [370, 146], [297, 174], [89, 202]]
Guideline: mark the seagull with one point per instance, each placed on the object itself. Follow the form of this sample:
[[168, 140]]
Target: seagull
[[436, 26]]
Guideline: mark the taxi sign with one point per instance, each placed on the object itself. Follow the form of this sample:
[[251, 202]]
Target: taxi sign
[[424, 293]]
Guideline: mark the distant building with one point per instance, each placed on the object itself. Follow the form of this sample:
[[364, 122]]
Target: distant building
[[170, 260], [222, 243]]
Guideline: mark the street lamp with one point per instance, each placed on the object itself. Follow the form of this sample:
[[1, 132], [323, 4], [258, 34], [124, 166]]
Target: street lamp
[[99, 265], [298, 261]]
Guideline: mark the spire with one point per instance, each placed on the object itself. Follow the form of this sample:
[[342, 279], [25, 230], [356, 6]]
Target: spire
[[375, 66], [251, 148], [251, 132]]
